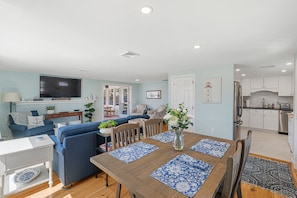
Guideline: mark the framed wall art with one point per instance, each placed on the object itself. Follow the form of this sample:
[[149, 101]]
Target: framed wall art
[[153, 94]]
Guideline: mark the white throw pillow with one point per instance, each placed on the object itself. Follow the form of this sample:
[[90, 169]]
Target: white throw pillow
[[74, 122], [61, 124], [35, 121]]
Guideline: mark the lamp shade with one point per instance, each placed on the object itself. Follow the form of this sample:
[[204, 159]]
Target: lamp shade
[[11, 97]]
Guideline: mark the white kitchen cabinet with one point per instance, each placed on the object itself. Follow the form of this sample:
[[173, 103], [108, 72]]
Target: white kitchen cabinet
[[290, 130], [264, 119], [256, 118], [270, 119], [285, 84], [246, 84], [256, 83], [245, 117], [265, 83]]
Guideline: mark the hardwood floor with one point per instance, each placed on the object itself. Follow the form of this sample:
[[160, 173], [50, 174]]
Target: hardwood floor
[[92, 187]]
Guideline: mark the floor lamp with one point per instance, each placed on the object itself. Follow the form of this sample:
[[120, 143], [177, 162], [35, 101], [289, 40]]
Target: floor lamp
[[11, 97]]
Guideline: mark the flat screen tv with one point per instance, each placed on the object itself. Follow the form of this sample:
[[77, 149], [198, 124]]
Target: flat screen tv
[[58, 87]]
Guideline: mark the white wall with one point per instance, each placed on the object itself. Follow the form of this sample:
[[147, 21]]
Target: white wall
[[153, 103], [216, 116]]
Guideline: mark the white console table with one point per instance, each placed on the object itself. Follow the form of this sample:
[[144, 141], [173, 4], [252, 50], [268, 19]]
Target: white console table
[[21, 153]]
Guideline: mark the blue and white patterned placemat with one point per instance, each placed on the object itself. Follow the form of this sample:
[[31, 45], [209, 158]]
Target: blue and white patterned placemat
[[164, 137], [184, 174], [133, 151], [211, 147]]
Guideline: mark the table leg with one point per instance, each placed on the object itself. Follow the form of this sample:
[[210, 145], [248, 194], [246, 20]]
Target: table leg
[[50, 174], [106, 175]]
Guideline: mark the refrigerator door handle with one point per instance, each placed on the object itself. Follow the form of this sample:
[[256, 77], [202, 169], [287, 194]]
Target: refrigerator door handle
[[240, 101]]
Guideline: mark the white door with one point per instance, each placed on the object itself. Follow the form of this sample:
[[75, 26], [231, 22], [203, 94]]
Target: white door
[[183, 91]]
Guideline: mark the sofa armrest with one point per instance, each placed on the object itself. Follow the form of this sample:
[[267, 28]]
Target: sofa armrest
[[48, 122], [58, 146], [17, 127]]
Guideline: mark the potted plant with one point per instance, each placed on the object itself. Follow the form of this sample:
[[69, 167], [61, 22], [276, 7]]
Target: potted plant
[[89, 111], [50, 109], [106, 126]]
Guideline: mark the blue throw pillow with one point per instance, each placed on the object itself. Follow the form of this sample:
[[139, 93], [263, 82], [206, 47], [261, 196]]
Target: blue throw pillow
[[34, 113]]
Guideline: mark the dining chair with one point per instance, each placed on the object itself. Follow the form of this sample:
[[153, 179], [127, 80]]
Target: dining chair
[[121, 136], [232, 171], [246, 145], [152, 127]]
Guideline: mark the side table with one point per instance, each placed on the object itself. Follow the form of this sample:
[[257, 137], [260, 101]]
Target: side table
[[106, 136], [21, 153]]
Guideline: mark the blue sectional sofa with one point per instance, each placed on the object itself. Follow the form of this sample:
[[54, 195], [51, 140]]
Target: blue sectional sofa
[[74, 145]]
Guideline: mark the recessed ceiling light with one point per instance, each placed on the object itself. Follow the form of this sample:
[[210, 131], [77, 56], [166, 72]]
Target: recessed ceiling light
[[137, 80], [283, 70], [289, 63], [242, 74], [196, 46], [237, 69], [147, 10]]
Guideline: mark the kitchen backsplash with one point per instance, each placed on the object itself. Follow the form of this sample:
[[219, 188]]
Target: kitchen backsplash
[[256, 99]]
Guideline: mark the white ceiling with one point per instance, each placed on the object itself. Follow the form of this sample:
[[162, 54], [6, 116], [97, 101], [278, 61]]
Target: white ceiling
[[84, 38]]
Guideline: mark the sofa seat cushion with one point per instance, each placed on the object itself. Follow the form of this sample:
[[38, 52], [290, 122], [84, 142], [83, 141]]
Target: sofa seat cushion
[[75, 129], [130, 117]]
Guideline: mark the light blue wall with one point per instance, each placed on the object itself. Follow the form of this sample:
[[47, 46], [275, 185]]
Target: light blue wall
[[216, 116], [27, 85], [153, 103]]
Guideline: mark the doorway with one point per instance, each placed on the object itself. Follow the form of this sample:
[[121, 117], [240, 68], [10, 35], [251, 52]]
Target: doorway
[[183, 91], [116, 101]]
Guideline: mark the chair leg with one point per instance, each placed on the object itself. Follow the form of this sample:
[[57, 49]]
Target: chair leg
[[239, 194], [118, 193]]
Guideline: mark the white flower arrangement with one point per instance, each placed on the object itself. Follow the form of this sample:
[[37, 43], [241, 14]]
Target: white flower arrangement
[[178, 118]]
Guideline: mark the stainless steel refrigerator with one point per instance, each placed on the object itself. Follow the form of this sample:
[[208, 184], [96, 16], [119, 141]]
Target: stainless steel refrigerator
[[237, 110]]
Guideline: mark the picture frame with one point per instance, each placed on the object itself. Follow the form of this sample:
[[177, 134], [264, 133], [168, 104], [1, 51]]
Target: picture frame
[[153, 94]]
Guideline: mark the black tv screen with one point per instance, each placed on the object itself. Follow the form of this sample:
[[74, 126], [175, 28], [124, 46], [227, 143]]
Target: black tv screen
[[58, 87]]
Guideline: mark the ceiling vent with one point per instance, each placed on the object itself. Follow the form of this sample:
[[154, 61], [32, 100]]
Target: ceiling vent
[[130, 54], [265, 67]]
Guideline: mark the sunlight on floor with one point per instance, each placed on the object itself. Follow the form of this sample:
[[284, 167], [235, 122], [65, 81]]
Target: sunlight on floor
[[48, 192]]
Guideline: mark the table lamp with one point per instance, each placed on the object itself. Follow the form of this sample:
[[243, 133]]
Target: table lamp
[[11, 97]]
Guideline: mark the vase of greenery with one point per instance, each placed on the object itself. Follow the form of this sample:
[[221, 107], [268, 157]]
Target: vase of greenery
[[89, 111], [178, 119], [50, 109], [106, 126]]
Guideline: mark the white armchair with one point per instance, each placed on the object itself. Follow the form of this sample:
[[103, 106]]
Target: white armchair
[[160, 112], [139, 110]]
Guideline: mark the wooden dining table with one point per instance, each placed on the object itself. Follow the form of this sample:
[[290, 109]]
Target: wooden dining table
[[136, 175]]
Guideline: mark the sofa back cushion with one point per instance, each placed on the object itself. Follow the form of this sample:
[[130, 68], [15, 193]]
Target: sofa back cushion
[[75, 129]]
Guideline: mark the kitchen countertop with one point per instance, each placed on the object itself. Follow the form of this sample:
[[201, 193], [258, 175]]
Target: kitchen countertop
[[290, 115], [264, 108]]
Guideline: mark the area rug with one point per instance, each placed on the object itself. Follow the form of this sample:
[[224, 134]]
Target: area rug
[[272, 175]]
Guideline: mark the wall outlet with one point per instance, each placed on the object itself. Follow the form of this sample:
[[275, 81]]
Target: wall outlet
[[212, 130]]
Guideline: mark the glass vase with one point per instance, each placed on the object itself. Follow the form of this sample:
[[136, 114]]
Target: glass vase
[[178, 141]]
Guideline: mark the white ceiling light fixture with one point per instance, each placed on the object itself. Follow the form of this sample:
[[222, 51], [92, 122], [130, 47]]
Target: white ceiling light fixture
[[237, 70], [283, 70], [137, 80], [196, 46], [289, 63], [242, 74], [146, 9], [130, 54]]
